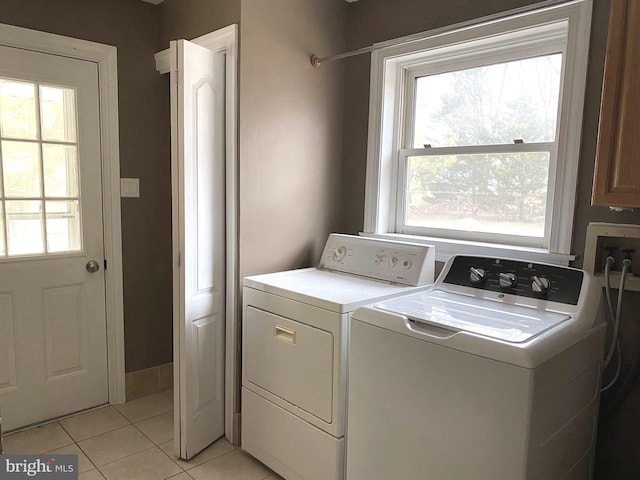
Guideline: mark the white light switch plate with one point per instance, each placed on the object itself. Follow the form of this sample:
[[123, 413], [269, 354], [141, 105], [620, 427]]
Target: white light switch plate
[[130, 187]]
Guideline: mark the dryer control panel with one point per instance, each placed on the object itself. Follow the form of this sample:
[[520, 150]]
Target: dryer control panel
[[517, 277], [398, 262]]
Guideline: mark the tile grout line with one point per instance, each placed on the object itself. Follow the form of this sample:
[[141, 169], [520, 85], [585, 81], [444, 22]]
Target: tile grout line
[[120, 459]]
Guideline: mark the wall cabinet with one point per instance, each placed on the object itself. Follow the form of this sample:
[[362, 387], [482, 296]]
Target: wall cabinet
[[617, 172]]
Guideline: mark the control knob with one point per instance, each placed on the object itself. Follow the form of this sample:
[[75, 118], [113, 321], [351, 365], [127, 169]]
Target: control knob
[[477, 275], [339, 253], [507, 280], [540, 284]]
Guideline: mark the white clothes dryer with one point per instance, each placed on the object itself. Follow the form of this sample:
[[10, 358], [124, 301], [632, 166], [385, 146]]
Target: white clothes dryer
[[491, 374], [294, 340]]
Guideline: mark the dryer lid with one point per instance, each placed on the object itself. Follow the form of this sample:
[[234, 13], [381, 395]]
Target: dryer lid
[[510, 323]]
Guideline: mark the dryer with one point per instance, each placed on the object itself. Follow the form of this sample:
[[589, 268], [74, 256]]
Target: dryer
[[294, 341], [491, 374]]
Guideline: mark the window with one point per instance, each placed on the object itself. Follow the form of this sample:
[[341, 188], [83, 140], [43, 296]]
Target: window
[[39, 187], [474, 134]]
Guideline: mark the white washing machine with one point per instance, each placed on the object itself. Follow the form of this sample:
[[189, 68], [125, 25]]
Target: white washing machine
[[294, 339], [491, 374]]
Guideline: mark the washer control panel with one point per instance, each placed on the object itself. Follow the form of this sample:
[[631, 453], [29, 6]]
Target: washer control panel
[[398, 262], [517, 277]]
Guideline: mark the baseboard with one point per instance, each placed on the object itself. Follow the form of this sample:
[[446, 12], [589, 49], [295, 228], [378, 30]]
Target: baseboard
[[149, 381]]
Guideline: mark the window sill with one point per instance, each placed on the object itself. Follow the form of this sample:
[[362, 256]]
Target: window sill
[[445, 248]]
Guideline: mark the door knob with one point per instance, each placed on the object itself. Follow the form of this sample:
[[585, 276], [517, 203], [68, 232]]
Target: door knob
[[92, 266]]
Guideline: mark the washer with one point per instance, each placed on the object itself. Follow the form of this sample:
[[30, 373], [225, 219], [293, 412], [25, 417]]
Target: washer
[[491, 374], [295, 333]]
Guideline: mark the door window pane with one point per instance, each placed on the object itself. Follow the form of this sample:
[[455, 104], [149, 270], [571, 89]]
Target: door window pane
[[18, 110], [24, 227], [491, 193], [58, 113], [60, 170], [21, 169], [63, 226], [489, 105]]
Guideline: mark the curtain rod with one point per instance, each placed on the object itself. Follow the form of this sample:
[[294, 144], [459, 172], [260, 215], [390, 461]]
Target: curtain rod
[[317, 61]]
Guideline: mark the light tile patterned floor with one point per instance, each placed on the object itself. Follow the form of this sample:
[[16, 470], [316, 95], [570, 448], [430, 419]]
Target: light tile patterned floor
[[134, 441]]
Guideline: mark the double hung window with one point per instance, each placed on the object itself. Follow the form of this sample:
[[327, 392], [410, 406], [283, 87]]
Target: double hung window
[[474, 133]]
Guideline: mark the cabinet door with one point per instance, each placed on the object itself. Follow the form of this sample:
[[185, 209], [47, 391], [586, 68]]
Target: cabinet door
[[617, 174]]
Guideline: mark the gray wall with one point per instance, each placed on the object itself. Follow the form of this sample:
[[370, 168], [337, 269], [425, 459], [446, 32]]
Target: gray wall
[[187, 19], [133, 27], [291, 122]]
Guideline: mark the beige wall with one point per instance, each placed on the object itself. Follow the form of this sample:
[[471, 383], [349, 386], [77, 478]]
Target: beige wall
[[291, 121], [133, 27]]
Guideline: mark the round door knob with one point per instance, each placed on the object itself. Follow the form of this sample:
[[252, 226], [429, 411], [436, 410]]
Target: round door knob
[[508, 280], [477, 275], [92, 266], [540, 284]]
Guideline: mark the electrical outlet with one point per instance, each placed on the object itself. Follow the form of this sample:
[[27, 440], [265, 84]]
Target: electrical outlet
[[619, 241]]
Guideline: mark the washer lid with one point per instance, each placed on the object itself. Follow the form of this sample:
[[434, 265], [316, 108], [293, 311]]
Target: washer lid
[[511, 323]]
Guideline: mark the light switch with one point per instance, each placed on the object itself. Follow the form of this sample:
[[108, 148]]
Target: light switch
[[129, 187]]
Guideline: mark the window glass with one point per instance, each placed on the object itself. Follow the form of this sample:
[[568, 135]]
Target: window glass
[[21, 169], [18, 110], [490, 193], [60, 170], [489, 105], [24, 227], [63, 226], [58, 113]]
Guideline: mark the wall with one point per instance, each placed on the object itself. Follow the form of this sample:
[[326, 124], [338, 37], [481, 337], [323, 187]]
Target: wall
[[187, 19], [291, 118], [133, 27], [619, 429], [291, 122]]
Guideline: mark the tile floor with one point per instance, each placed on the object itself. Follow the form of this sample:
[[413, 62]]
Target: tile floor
[[134, 441]]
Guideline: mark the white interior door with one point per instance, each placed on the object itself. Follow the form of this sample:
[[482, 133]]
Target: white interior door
[[53, 356], [198, 209]]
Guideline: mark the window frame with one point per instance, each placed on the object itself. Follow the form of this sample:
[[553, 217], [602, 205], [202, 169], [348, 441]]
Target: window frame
[[523, 32]]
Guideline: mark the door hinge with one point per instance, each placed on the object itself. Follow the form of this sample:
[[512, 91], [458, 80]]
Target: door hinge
[[105, 263], [179, 259]]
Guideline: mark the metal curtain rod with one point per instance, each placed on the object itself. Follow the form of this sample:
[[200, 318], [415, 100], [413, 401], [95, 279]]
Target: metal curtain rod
[[317, 61]]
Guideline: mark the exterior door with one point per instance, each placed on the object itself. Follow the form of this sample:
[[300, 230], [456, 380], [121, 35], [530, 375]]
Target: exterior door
[[53, 354], [198, 209]]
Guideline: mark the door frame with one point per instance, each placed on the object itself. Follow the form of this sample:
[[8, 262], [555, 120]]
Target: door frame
[[225, 40], [105, 58]]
